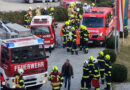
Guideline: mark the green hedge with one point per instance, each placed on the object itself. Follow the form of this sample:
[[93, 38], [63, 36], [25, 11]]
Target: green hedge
[[119, 73], [18, 16], [125, 33], [112, 53], [110, 42]]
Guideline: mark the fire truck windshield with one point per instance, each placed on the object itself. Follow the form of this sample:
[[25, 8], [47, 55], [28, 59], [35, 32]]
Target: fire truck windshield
[[29, 53], [40, 30], [93, 21]]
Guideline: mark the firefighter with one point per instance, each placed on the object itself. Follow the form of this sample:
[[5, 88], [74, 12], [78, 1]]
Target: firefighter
[[74, 45], [84, 37], [96, 75], [38, 11], [19, 80], [26, 20], [63, 33], [30, 12], [56, 79], [108, 68], [91, 69], [85, 78], [51, 13], [101, 63], [81, 37], [69, 39]]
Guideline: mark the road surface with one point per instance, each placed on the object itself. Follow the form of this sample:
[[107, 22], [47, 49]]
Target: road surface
[[16, 5]]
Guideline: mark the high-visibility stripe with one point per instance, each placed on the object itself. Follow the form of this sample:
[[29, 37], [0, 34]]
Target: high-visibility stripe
[[85, 76], [56, 87], [55, 83]]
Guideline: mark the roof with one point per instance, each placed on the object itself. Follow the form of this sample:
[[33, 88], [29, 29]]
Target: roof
[[44, 20], [101, 11], [22, 42]]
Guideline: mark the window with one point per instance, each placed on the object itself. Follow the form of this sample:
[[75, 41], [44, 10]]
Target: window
[[30, 53], [40, 30], [108, 18], [93, 21], [62, 3], [4, 54]]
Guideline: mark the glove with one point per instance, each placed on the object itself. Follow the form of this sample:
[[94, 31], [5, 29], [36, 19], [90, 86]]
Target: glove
[[60, 85]]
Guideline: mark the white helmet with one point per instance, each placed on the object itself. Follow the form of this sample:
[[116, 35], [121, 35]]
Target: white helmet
[[86, 62], [45, 8], [20, 71], [30, 8], [77, 9], [95, 60], [85, 4]]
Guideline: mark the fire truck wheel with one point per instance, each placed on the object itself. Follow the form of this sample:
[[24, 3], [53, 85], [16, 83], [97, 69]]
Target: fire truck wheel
[[104, 43]]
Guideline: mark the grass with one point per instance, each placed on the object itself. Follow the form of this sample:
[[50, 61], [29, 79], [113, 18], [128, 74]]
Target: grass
[[124, 55]]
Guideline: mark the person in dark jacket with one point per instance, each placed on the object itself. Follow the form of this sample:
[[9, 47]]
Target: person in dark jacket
[[67, 72]]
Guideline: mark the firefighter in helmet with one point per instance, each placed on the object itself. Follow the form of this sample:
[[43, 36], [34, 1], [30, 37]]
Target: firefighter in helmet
[[19, 80], [56, 79]]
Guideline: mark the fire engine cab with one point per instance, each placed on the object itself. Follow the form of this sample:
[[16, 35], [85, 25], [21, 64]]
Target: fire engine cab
[[67, 3], [100, 22], [44, 27], [20, 49]]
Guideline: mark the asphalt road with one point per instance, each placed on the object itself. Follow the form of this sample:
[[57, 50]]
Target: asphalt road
[[59, 56], [16, 5]]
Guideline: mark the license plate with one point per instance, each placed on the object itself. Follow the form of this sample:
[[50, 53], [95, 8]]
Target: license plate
[[90, 41]]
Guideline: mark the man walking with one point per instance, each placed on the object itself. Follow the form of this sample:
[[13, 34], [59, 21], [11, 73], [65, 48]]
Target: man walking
[[67, 72]]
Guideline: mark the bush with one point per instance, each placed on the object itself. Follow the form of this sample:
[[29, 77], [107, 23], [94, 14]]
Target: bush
[[125, 33], [111, 53], [119, 73], [61, 14], [110, 42]]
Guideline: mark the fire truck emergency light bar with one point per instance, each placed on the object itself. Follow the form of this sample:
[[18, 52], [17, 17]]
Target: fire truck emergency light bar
[[94, 11], [40, 21], [18, 44]]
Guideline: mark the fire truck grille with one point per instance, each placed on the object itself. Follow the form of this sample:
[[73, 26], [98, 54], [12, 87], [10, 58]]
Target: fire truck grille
[[26, 84], [95, 36], [28, 80]]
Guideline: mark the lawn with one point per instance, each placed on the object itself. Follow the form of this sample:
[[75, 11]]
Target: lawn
[[124, 55]]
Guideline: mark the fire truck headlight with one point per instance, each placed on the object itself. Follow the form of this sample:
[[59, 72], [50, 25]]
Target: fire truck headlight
[[42, 76], [101, 34], [44, 81], [14, 86], [3, 83]]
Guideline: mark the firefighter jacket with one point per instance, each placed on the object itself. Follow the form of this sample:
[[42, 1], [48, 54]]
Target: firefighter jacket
[[85, 72], [51, 13], [19, 81], [38, 12], [69, 35], [74, 36], [101, 63], [108, 68], [30, 13], [26, 17], [96, 71], [64, 30], [91, 68], [56, 80], [85, 35]]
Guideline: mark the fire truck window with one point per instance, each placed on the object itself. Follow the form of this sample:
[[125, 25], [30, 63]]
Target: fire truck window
[[93, 21], [30, 53], [40, 30], [5, 54], [109, 17]]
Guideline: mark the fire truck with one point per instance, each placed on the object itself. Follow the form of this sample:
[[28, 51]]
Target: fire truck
[[44, 27], [100, 23], [67, 3], [20, 49]]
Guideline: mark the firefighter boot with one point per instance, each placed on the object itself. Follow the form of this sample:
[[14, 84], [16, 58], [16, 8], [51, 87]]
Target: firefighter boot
[[68, 50], [76, 52], [85, 51], [102, 81], [72, 52], [107, 88]]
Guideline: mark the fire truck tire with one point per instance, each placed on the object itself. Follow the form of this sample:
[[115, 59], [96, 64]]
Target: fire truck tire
[[38, 86], [104, 43]]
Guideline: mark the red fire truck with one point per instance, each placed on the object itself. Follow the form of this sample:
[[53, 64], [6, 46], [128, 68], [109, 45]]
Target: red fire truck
[[66, 3], [20, 49], [44, 27], [100, 22]]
